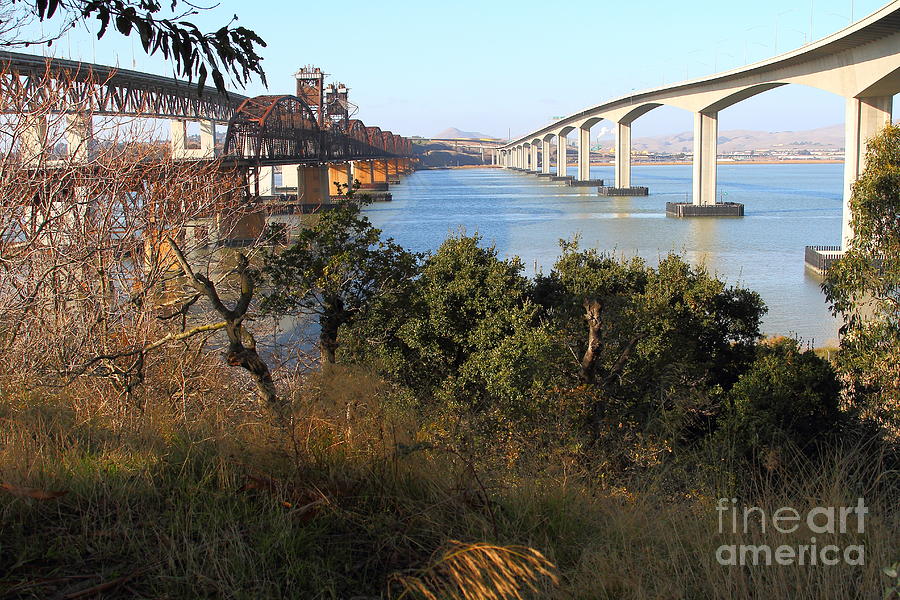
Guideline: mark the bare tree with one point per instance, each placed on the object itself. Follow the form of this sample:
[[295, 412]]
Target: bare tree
[[106, 245]]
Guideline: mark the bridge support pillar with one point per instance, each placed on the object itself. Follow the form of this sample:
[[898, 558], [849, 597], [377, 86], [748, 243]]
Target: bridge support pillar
[[362, 172], [706, 131], [33, 139], [311, 183], [623, 155], [584, 154], [380, 172], [179, 141], [545, 156], [865, 117], [393, 167], [561, 159], [533, 163], [339, 179], [79, 135], [265, 181]]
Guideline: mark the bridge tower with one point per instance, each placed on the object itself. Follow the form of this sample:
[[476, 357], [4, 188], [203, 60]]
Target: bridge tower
[[311, 89]]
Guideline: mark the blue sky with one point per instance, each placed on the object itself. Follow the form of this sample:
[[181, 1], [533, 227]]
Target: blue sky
[[416, 68]]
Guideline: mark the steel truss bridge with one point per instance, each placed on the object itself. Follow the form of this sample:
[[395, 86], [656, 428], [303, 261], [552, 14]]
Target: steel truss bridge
[[265, 130]]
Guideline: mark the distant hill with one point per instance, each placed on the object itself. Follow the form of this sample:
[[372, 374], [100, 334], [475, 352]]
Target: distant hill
[[823, 138], [457, 134]]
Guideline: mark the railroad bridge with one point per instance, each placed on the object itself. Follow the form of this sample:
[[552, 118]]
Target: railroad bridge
[[309, 139]]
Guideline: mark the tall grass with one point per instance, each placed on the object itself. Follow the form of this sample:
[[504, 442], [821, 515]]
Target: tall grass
[[209, 497]]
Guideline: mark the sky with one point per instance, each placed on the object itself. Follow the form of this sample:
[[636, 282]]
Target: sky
[[509, 67]]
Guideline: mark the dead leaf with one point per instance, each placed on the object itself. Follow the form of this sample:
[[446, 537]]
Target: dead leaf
[[36, 493]]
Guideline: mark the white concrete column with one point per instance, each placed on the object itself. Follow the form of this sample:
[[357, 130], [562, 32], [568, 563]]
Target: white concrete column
[[545, 155], [623, 155], [33, 139], [79, 135], [520, 157], [706, 131], [534, 158], [526, 156], [584, 153], [207, 139], [266, 181], [864, 118], [561, 155], [178, 137]]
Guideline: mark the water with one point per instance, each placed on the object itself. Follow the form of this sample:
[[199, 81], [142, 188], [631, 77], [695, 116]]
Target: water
[[787, 207]]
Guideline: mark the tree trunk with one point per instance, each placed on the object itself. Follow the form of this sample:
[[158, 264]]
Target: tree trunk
[[329, 323], [592, 314]]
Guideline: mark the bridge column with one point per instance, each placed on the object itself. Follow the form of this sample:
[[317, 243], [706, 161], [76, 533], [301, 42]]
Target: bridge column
[[706, 131], [178, 140], [545, 156], [561, 156], [865, 117], [391, 171], [265, 180], [380, 171], [311, 183], [623, 155], [338, 178], [533, 167], [33, 139], [584, 154], [79, 135]]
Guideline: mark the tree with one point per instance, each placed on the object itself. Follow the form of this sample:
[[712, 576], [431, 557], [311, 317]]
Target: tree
[[91, 237], [466, 333], [335, 270], [864, 285], [786, 396], [650, 340], [229, 50]]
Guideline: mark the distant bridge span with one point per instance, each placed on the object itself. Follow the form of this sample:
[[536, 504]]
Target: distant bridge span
[[860, 63]]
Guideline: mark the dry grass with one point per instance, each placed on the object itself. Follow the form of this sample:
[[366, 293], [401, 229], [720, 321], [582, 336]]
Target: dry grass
[[200, 495]]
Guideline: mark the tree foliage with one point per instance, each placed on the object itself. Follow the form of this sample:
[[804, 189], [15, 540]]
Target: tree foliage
[[864, 285], [335, 270], [785, 396], [229, 51]]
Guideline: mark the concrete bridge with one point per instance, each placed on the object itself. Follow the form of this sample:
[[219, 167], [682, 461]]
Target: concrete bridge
[[860, 63], [309, 137]]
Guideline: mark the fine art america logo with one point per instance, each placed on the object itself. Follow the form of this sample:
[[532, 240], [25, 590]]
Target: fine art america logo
[[821, 520]]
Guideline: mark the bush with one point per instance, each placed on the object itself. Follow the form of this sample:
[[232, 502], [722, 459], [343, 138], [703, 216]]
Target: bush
[[786, 397]]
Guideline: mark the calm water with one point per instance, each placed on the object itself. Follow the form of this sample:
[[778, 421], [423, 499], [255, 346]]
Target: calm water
[[787, 207]]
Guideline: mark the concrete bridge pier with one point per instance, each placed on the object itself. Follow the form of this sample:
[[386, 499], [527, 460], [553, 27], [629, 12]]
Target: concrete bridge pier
[[178, 140], [706, 132], [371, 175], [584, 161], [339, 178], [33, 139], [622, 184], [393, 170], [545, 157], [311, 183], [864, 118], [79, 136], [561, 160], [533, 159]]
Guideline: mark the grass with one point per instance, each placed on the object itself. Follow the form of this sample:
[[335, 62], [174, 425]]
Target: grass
[[213, 498]]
